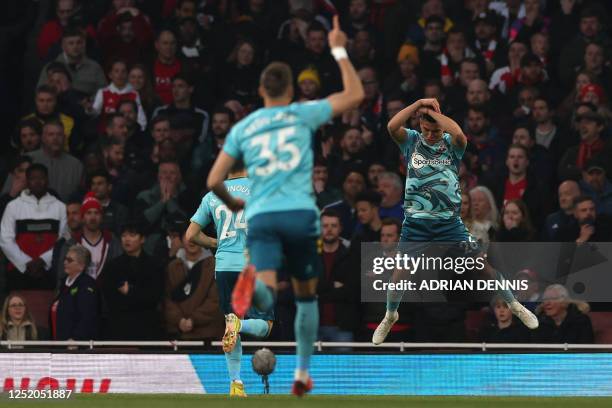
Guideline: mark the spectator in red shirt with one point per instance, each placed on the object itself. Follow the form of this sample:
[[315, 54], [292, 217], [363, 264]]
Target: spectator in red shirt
[[338, 286], [166, 66], [108, 98], [517, 184]]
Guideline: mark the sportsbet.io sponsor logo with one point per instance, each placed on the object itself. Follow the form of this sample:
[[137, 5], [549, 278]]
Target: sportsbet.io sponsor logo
[[418, 161]]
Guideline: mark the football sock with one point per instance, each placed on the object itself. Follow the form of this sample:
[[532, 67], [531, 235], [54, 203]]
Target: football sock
[[233, 361], [506, 294], [263, 297], [394, 298], [306, 326], [254, 327]]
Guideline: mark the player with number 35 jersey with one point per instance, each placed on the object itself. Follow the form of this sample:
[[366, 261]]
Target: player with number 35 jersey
[[275, 143]]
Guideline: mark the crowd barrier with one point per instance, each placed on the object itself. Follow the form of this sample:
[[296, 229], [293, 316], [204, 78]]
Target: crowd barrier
[[338, 368]]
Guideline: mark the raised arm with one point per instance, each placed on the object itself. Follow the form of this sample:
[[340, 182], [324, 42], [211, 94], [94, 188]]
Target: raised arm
[[396, 124], [449, 126], [352, 94]]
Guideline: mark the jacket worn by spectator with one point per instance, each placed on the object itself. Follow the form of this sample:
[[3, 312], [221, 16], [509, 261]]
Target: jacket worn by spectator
[[515, 333], [29, 229], [65, 172], [134, 316], [603, 231], [191, 293], [87, 77], [18, 332], [74, 313], [576, 328], [198, 119], [155, 212], [114, 216], [555, 222], [339, 305], [603, 200]]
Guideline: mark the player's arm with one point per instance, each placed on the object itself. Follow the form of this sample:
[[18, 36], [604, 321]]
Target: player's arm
[[449, 126], [217, 176], [352, 94], [396, 124], [195, 235]]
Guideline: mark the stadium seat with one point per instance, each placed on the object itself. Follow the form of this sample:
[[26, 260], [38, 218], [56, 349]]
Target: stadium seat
[[39, 302], [474, 321], [602, 326]]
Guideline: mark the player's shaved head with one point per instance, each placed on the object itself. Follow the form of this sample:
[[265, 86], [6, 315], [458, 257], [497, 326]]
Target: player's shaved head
[[276, 80]]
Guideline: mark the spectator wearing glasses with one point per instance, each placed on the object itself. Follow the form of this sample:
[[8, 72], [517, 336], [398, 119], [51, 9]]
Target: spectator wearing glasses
[[74, 313], [16, 322]]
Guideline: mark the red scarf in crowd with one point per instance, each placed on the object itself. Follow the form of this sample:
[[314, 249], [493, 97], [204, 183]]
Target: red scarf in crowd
[[587, 150]]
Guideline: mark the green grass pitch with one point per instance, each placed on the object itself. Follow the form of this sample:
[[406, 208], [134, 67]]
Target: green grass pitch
[[209, 401]]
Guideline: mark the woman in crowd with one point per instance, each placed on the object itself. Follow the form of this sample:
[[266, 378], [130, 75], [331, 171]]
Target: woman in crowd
[[241, 73], [484, 214], [515, 225], [74, 313], [16, 322], [140, 80]]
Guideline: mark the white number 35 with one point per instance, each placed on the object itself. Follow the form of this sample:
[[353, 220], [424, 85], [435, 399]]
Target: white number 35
[[273, 161]]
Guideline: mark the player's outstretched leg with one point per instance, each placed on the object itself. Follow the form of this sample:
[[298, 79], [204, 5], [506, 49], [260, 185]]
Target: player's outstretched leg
[[306, 326], [525, 315], [394, 297]]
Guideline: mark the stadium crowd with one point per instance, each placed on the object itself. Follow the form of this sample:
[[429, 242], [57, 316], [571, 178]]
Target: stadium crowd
[[133, 99]]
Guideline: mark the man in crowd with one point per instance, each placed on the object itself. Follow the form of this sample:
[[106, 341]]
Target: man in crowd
[[114, 214], [367, 205], [392, 192], [46, 111], [87, 75], [562, 219], [166, 66], [132, 286], [354, 183], [590, 127], [589, 225], [338, 287], [169, 196], [102, 244], [31, 224], [520, 185], [65, 171], [326, 194], [595, 185], [183, 107]]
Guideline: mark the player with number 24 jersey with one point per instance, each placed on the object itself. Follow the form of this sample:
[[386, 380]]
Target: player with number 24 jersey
[[230, 227]]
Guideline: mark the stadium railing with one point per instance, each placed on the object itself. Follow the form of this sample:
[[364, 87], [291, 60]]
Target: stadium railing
[[320, 345]]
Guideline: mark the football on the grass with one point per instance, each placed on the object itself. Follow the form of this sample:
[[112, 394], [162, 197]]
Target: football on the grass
[[263, 361]]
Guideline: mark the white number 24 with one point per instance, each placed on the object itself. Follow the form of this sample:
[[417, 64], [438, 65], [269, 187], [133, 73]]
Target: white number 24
[[283, 146], [226, 230]]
